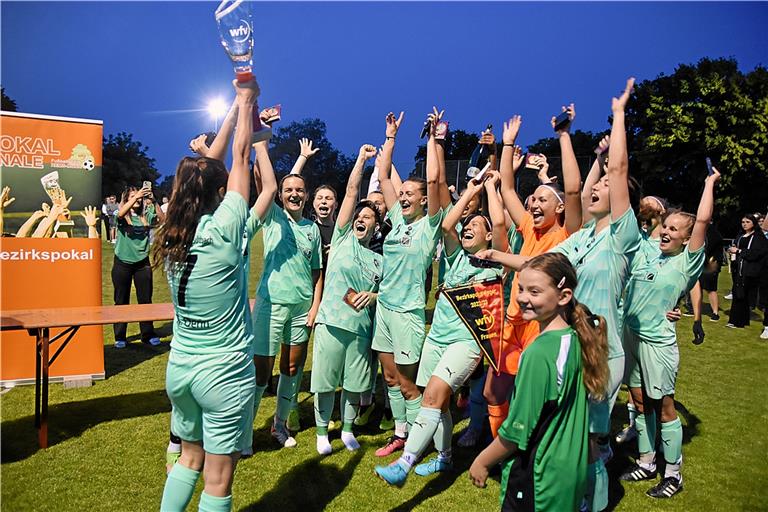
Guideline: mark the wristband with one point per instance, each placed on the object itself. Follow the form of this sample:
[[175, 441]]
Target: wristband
[[390, 138], [305, 157], [509, 145]]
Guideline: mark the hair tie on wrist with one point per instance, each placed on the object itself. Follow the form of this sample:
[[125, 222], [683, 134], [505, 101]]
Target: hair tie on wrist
[[390, 138], [509, 145]]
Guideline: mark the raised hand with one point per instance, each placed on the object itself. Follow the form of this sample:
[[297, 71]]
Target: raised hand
[[306, 148], [367, 151], [492, 179], [393, 124], [5, 198], [488, 139], [59, 198], [511, 129], [603, 145], [247, 92], [620, 104], [198, 145], [715, 177], [571, 110], [517, 158], [90, 216]]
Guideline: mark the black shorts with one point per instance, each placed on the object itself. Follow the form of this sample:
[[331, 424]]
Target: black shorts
[[708, 281]]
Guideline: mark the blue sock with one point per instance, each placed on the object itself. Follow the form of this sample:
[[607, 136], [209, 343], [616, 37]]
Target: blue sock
[[478, 407], [179, 488]]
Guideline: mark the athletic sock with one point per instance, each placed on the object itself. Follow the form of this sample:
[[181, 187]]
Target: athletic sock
[[597, 486], [210, 503], [397, 404], [632, 412], [646, 432], [408, 459], [672, 439], [257, 395], [496, 416], [478, 407], [422, 431], [412, 410], [323, 410], [299, 376], [444, 435], [287, 386], [350, 405], [179, 488], [322, 443], [387, 405], [366, 398], [173, 447], [349, 440]]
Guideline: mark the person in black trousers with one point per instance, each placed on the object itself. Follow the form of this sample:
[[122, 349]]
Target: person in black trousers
[[751, 251]]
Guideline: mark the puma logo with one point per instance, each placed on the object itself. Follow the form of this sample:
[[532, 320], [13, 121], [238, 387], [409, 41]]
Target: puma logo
[[406, 354], [450, 373], [422, 425]]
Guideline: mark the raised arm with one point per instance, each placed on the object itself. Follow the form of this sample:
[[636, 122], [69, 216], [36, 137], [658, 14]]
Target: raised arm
[[91, 218], [385, 160], [704, 213], [218, 149], [347, 208], [500, 242], [397, 181], [306, 152], [593, 177], [571, 174], [133, 198], [450, 236], [26, 228], [5, 200], [511, 159], [618, 161], [266, 177], [239, 178], [439, 157], [433, 171]]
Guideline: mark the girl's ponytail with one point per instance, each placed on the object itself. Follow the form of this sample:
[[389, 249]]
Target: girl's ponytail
[[593, 334]]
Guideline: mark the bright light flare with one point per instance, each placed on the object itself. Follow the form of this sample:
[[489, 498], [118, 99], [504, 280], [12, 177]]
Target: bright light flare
[[217, 108]]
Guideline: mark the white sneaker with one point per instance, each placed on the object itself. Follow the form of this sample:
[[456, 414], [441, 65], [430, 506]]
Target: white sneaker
[[729, 296], [764, 336], [323, 445], [628, 434], [282, 436]]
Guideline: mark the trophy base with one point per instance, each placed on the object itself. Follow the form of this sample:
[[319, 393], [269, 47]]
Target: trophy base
[[244, 76]]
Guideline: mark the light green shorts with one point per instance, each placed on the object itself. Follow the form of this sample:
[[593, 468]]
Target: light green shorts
[[600, 412], [401, 334], [212, 399], [340, 358], [452, 363], [650, 366], [274, 324]]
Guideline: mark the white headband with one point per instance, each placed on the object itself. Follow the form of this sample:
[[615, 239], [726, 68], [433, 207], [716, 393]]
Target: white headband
[[658, 201], [554, 191]]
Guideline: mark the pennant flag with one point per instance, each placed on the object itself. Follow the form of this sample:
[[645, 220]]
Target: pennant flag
[[480, 306]]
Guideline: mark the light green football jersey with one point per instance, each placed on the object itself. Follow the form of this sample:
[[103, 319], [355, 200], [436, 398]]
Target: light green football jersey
[[132, 244], [548, 421], [602, 262], [351, 265], [291, 253], [654, 288], [408, 251], [207, 290], [442, 266], [447, 327], [515, 243]]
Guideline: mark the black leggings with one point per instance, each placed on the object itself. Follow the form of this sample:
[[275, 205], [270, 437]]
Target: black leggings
[[141, 274]]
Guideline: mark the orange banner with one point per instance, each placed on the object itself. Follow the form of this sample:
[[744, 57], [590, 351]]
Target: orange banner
[[43, 273]]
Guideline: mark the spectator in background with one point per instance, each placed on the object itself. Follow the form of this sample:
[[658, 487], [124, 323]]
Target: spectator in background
[[751, 251], [713, 252], [164, 206], [109, 214]]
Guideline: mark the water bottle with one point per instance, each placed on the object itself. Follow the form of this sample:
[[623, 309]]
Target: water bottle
[[233, 17]]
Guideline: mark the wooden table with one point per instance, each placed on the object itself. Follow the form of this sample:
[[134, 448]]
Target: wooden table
[[38, 322]]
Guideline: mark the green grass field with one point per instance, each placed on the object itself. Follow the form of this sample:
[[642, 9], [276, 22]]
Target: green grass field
[[107, 442]]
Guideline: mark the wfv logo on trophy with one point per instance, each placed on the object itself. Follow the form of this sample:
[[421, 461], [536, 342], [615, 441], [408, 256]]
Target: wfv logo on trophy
[[242, 32]]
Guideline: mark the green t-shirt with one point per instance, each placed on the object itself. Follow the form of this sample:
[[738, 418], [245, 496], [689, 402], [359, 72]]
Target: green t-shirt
[[132, 243], [602, 262], [548, 421], [655, 287], [207, 290], [350, 265], [447, 327], [292, 250], [408, 251], [515, 243]]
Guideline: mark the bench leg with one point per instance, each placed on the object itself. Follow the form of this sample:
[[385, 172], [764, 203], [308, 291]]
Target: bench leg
[[44, 356]]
